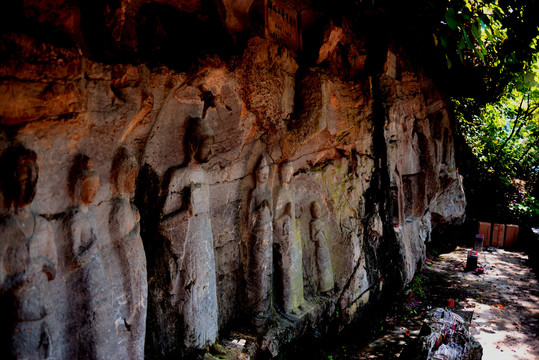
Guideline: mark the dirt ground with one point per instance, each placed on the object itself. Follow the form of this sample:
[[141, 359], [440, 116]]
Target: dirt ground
[[501, 306], [502, 303]]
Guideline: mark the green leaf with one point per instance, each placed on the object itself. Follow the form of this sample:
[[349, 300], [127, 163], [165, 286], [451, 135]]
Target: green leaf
[[499, 13], [480, 54], [459, 51], [443, 41], [450, 18], [467, 39], [489, 35], [476, 30], [483, 49], [461, 45]]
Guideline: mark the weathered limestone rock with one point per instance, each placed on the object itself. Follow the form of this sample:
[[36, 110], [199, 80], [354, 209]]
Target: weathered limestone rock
[[342, 52], [27, 263], [450, 204]]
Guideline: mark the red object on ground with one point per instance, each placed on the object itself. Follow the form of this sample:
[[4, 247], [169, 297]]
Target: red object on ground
[[450, 302]]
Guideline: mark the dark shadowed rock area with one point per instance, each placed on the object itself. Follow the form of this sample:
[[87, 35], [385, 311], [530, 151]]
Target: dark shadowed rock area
[[197, 171]]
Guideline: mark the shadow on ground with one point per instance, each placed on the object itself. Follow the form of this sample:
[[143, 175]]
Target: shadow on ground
[[501, 305]]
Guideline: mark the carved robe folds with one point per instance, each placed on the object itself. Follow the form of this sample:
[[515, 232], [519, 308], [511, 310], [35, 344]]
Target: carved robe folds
[[187, 227], [125, 234], [91, 312], [288, 241], [319, 235], [26, 265], [260, 266]]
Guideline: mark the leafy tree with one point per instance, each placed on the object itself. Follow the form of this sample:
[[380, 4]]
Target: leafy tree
[[490, 41], [503, 141]]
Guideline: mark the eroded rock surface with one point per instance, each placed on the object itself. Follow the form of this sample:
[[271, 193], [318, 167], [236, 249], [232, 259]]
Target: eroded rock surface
[[222, 241]]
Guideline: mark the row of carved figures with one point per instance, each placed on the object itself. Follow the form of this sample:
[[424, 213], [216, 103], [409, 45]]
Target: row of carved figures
[[29, 261], [186, 226], [274, 232], [28, 254]]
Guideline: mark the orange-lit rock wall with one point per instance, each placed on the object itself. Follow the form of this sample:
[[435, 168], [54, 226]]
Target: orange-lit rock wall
[[373, 147]]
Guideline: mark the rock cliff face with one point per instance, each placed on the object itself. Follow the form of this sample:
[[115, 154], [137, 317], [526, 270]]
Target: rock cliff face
[[362, 131]]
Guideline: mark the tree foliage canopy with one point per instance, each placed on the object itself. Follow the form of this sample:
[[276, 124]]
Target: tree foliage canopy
[[501, 128], [496, 40], [503, 140]]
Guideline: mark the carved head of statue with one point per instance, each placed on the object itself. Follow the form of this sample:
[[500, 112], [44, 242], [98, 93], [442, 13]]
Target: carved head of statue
[[90, 185], [315, 210], [20, 176], [262, 171], [124, 171], [83, 180], [286, 172], [199, 140]]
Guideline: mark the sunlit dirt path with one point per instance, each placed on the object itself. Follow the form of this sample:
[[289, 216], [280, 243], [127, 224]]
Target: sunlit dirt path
[[502, 303]]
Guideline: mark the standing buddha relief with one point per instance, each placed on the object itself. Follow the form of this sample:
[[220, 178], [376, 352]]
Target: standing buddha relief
[[288, 243], [186, 225], [260, 220], [124, 228], [319, 235], [28, 261], [91, 318]]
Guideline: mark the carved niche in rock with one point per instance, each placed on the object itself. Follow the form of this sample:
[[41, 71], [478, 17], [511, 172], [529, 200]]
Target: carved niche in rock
[[124, 227], [27, 263], [261, 246], [186, 226], [88, 290], [319, 235], [288, 244]]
